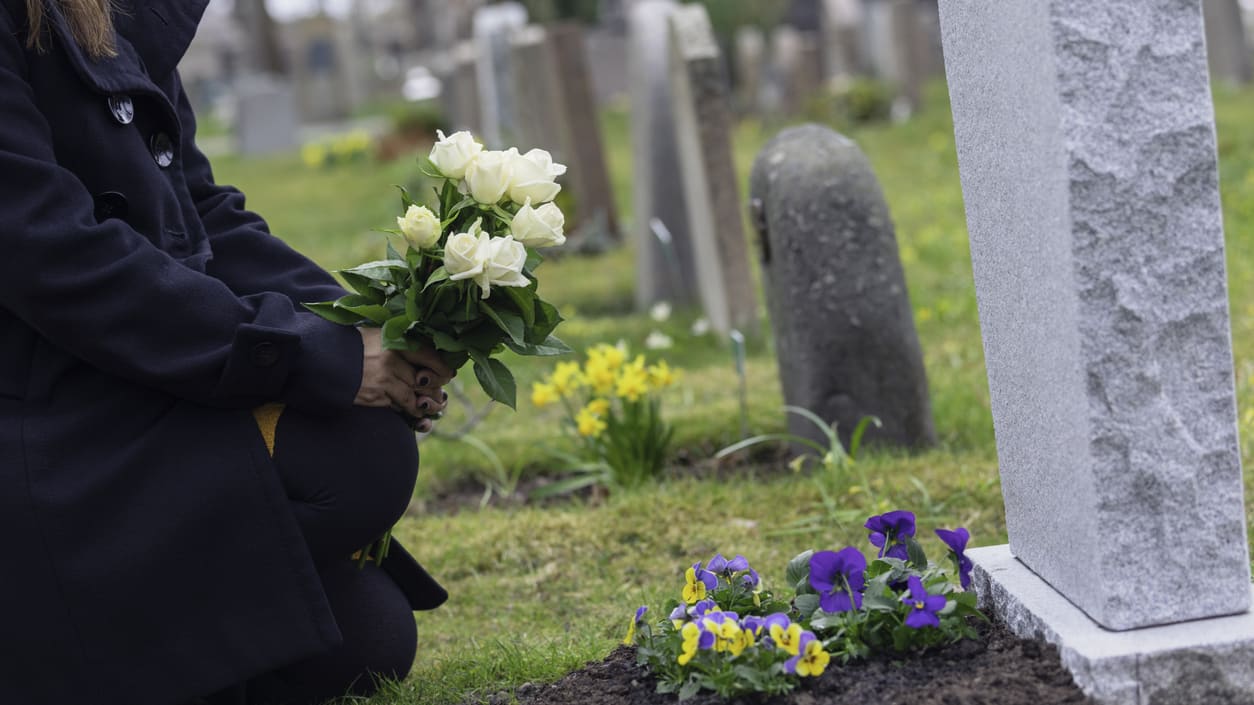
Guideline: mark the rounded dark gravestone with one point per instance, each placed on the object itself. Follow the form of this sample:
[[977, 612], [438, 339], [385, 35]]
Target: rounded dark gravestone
[[840, 312]]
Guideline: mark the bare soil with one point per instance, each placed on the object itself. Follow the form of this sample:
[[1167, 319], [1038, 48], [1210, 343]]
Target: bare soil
[[997, 669]]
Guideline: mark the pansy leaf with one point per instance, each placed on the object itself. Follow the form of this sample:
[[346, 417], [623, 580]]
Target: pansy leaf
[[806, 605], [798, 568], [879, 602], [333, 313], [918, 559], [689, 689]]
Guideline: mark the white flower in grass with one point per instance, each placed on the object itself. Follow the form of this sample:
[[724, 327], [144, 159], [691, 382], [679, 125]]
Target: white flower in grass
[[539, 227], [534, 177], [701, 326], [489, 176], [661, 311], [420, 227], [454, 154], [658, 340]]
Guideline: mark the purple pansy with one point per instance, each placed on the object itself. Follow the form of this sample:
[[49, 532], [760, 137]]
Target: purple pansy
[[751, 579], [753, 624], [705, 576], [640, 613], [957, 542], [717, 564], [737, 564], [923, 607], [888, 530], [839, 578], [698, 610], [680, 613]]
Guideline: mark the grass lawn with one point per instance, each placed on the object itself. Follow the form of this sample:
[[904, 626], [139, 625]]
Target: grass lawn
[[536, 591]]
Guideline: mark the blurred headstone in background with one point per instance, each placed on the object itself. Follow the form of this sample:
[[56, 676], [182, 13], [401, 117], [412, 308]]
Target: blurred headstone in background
[[319, 69], [782, 76], [1227, 46], [665, 270], [212, 62], [606, 53], [265, 115], [843, 22], [596, 216], [844, 330], [460, 92], [703, 122], [894, 52], [493, 26], [750, 60], [541, 121]]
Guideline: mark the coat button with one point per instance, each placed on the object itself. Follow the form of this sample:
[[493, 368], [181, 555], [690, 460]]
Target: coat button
[[110, 204], [162, 149], [265, 354], [123, 108]]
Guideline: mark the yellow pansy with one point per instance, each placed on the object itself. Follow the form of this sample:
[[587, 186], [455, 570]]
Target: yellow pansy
[[813, 660], [788, 640], [694, 590], [543, 394], [692, 636]]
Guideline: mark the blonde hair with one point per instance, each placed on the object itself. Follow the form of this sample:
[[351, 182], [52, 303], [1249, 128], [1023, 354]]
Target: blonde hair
[[90, 21]]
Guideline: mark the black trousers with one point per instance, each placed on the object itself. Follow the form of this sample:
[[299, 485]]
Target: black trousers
[[349, 478]]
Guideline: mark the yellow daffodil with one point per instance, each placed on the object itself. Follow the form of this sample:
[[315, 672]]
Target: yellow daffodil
[[813, 660], [314, 155], [611, 356], [788, 640], [589, 424], [599, 407], [600, 376], [662, 376], [567, 378], [543, 394], [632, 384]]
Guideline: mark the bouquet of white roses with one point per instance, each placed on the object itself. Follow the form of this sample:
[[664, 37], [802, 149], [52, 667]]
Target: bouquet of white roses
[[466, 283]]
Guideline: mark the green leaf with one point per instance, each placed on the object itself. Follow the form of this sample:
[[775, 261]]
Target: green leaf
[[525, 299], [329, 311], [439, 275], [496, 379], [383, 270], [879, 602], [806, 605], [394, 330], [372, 290], [547, 318], [918, 559], [552, 346], [798, 568], [832, 439], [444, 341], [534, 259], [508, 322], [855, 440], [374, 313], [406, 201]]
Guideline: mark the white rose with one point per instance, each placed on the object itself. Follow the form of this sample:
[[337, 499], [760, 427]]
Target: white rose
[[420, 227], [465, 254], [489, 176], [534, 174], [505, 261], [539, 227], [454, 154]]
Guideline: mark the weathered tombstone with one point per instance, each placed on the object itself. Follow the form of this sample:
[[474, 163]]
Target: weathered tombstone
[[1086, 144], [1227, 47], [461, 93], [715, 219], [319, 71], [786, 50], [493, 25], [594, 197], [665, 270], [750, 57], [607, 61], [843, 22], [265, 116], [541, 122], [844, 330]]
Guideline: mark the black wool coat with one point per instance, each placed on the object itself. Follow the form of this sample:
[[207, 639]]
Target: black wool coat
[[147, 552]]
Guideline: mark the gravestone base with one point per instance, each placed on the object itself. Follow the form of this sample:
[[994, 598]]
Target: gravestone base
[[1201, 662]]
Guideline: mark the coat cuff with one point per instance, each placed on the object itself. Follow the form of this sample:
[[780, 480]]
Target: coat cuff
[[314, 365]]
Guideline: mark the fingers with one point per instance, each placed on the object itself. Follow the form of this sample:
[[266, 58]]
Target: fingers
[[429, 406], [426, 357]]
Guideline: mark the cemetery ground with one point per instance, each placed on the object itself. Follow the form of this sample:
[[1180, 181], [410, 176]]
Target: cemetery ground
[[539, 588]]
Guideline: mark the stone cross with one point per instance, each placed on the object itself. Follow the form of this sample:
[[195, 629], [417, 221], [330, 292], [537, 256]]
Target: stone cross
[[1086, 145], [493, 25], [665, 271], [703, 123], [829, 255]]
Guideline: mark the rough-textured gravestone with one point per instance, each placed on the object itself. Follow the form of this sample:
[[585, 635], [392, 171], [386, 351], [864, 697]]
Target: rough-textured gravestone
[[663, 272], [842, 38], [594, 197], [1086, 145], [703, 124], [1227, 47], [265, 116], [750, 60], [844, 330], [540, 120], [493, 26]]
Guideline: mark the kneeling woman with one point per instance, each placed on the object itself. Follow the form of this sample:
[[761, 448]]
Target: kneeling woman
[[188, 459]]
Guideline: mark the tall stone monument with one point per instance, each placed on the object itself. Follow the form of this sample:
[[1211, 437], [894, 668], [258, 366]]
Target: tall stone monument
[[1227, 46], [665, 268], [1086, 144], [493, 26], [703, 125]]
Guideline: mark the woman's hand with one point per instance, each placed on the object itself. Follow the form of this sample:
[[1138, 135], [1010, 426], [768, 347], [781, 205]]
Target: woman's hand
[[429, 380], [408, 381]]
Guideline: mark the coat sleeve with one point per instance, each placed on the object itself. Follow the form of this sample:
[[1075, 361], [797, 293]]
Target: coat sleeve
[[106, 295], [246, 256]]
